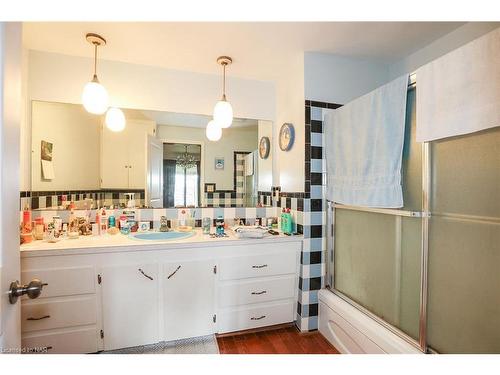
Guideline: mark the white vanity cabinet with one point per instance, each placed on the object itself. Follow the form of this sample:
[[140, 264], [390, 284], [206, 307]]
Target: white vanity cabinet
[[107, 298], [129, 305], [65, 318], [188, 299], [123, 155]]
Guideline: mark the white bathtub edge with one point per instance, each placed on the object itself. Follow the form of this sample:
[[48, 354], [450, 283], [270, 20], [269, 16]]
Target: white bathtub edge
[[352, 331]]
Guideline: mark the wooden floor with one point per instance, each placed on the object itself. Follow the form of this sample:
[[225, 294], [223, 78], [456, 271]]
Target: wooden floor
[[287, 340]]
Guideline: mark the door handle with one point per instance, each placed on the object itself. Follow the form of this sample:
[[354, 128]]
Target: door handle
[[40, 318], [145, 275], [32, 290], [173, 273], [259, 318]]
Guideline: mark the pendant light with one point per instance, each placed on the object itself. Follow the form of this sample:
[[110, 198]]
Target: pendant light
[[94, 96], [115, 119], [223, 111], [214, 131]]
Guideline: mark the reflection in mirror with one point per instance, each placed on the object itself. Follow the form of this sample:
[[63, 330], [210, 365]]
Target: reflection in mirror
[[181, 175], [77, 161]]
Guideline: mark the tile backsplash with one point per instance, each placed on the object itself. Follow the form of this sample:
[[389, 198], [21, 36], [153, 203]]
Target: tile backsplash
[[53, 199]]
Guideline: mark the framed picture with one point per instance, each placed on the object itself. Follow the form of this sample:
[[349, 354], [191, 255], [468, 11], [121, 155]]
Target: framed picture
[[264, 147], [219, 163], [46, 151]]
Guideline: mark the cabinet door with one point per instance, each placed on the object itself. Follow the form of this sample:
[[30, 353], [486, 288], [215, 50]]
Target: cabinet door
[[188, 299], [130, 305], [138, 132], [154, 190], [114, 159]]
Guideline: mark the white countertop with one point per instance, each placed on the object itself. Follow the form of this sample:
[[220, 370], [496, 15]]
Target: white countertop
[[120, 242]]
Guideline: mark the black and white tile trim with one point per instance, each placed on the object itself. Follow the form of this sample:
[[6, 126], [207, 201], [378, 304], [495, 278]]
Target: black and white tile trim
[[52, 199], [230, 198], [309, 212]]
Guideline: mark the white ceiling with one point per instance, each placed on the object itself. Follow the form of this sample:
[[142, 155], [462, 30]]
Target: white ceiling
[[259, 49]]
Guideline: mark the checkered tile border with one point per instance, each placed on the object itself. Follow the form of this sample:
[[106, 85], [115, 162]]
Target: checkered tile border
[[52, 199], [231, 198]]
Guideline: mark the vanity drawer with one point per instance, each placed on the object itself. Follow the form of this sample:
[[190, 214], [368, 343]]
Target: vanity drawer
[[231, 320], [71, 342], [63, 281], [243, 292], [38, 315], [258, 265]]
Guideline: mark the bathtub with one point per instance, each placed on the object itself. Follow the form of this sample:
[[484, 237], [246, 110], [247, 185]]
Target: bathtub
[[353, 332]]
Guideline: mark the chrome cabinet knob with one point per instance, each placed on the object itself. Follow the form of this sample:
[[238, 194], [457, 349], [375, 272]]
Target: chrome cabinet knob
[[32, 290]]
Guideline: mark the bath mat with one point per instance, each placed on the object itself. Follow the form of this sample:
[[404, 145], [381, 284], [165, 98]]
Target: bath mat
[[195, 345]]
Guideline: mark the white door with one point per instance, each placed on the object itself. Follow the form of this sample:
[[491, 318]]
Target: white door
[[138, 131], [188, 299], [130, 305], [154, 190], [10, 111], [114, 159]]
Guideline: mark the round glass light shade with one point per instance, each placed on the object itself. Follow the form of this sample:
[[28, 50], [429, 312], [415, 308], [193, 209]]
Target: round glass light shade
[[115, 119], [95, 98], [223, 114], [214, 131]]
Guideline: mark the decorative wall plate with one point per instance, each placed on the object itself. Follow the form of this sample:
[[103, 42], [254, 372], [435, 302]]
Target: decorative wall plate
[[264, 147], [287, 137]]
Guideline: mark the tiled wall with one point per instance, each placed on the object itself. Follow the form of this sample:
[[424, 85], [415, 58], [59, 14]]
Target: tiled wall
[[231, 198], [309, 211], [52, 199]]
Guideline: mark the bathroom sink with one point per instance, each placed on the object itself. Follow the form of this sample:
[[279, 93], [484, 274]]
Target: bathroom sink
[[162, 236]]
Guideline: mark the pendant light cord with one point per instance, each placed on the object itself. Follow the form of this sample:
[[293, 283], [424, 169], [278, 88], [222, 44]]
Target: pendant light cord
[[224, 82], [95, 60]]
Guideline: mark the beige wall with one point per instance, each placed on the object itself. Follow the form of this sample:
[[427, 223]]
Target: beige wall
[[60, 78], [233, 139], [75, 134], [265, 165]]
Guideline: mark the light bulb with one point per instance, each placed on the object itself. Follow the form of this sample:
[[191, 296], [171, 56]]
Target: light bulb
[[95, 98], [214, 131], [115, 119], [223, 113]]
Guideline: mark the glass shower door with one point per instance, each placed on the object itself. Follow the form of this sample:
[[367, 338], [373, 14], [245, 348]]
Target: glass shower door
[[377, 253], [464, 245]]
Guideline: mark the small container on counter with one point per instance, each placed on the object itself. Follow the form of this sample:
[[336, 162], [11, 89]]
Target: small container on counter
[[219, 226], [39, 228], [206, 224]]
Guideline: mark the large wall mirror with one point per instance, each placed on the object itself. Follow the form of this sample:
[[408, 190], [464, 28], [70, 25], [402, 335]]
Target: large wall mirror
[[160, 159]]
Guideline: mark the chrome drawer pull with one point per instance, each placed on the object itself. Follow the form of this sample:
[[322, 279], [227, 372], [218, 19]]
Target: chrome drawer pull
[[261, 266], [259, 318], [141, 271], [173, 273], [259, 293], [40, 318]]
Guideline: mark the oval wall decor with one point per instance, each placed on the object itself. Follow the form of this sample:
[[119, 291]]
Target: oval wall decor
[[287, 136], [264, 147]]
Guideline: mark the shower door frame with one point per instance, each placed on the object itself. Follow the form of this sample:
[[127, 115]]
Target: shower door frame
[[422, 215]]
